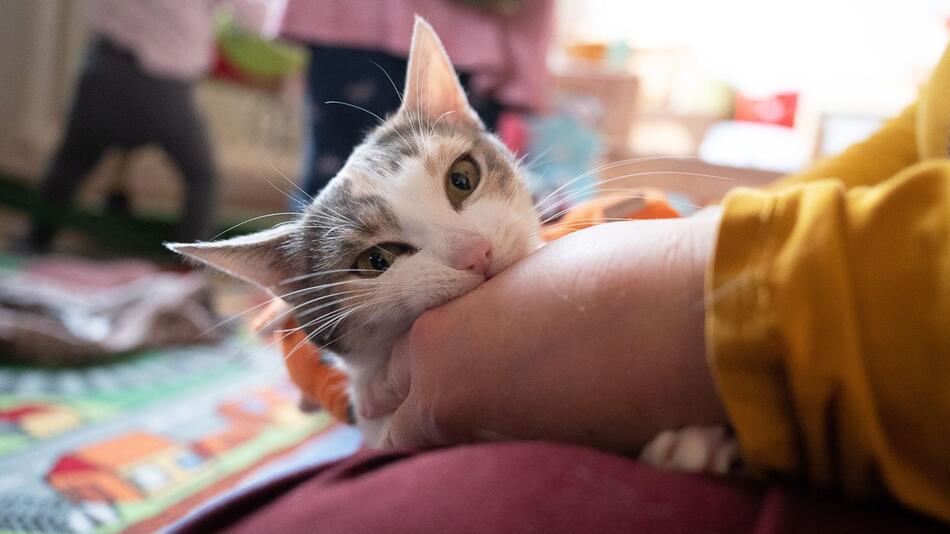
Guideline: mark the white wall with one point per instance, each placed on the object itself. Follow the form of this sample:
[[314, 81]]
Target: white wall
[[845, 56]]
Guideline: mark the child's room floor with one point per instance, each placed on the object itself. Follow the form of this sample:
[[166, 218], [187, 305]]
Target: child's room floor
[[140, 441]]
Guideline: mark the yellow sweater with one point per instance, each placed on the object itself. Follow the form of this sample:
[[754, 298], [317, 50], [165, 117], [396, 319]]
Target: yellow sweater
[[828, 320]]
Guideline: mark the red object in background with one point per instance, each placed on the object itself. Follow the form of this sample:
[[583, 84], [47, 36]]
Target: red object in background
[[513, 131], [222, 69], [777, 109]]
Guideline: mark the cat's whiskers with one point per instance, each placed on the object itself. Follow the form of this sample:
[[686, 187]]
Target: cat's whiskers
[[380, 119], [599, 168], [337, 315], [597, 185], [312, 289], [234, 317], [285, 335], [409, 112], [280, 316], [561, 212], [334, 229], [297, 309], [276, 339], [289, 181], [279, 190], [390, 78], [268, 302], [397, 296], [436, 123], [520, 162], [332, 217], [332, 328], [589, 221], [631, 195], [252, 219], [321, 273], [320, 287], [608, 166], [319, 226], [418, 86], [327, 230], [377, 292], [314, 309], [340, 216]]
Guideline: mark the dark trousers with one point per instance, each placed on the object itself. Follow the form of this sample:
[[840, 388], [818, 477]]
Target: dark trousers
[[117, 104], [357, 77]]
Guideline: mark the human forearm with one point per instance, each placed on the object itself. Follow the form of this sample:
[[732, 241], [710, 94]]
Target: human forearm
[[596, 339]]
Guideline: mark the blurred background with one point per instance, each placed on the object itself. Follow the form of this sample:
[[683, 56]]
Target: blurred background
[[131, 389], [760, 86]]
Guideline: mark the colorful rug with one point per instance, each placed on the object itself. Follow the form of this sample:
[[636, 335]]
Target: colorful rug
[[137, 444]]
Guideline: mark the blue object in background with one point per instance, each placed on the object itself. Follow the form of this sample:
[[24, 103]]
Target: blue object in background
[[681, 203], [563, 148]]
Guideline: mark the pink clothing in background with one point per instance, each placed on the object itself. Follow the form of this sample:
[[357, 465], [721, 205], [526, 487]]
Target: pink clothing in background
[[174, 38], [506, 56]]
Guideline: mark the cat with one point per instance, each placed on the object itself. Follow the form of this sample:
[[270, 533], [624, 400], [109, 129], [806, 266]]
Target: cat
[[426, 209]]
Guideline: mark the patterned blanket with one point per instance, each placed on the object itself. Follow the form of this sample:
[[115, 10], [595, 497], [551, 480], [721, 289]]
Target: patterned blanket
[[136, 444]]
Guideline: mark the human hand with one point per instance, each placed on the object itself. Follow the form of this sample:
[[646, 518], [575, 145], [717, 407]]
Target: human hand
[[595, 339]]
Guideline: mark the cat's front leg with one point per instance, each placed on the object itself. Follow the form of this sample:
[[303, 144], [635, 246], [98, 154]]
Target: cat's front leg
[[374, 430], [361, 369]]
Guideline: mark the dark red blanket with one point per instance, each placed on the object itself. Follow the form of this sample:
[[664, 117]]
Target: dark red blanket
[[531, 487]]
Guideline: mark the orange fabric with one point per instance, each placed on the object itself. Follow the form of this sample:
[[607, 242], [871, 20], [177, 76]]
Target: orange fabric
[[325, 385], [318, 382], [653, 206]]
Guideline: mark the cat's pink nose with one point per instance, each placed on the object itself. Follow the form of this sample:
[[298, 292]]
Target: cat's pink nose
[[474, 255]]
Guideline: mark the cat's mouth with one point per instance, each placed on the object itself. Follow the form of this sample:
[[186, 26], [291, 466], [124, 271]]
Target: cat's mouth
[[515, 252]]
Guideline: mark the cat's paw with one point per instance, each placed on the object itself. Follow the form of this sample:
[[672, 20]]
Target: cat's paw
[[694, 449]]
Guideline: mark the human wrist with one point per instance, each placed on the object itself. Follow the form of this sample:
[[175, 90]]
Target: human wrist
[[703, 230], [664, 371], [687, 394]]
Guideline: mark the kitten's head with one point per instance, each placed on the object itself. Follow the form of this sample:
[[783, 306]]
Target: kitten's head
[[425, 210]]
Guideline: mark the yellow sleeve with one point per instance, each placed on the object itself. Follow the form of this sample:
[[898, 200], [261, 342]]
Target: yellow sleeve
[[884, 154], [828, 328]]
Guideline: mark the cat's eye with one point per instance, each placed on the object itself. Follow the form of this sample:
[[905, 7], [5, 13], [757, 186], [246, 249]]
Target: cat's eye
[[375, 260], [461, 180]]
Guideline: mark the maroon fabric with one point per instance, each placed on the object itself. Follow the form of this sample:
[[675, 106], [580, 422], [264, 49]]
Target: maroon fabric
[[530, 487]]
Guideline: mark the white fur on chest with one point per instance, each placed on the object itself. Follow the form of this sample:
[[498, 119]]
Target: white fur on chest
[[361, 369]]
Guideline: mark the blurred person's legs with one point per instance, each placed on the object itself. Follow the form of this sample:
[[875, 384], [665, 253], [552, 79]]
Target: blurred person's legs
[[181, 132], [117, 104], [118, 198], [358, 78], [84, 141]]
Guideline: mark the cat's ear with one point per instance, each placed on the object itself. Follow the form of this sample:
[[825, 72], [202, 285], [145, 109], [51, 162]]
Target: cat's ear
[[261, 258], [432, 88]]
